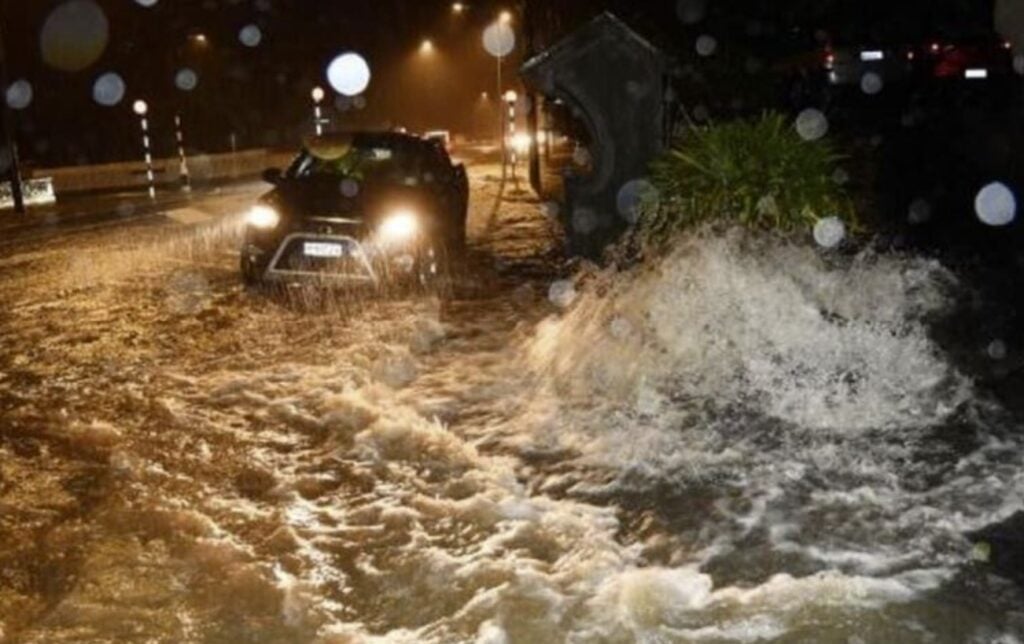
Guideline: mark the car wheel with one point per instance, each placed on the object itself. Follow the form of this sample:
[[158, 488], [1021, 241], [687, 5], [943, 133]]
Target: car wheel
[[251, 274]]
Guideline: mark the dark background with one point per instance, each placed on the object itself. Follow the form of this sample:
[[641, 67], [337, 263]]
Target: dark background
[[261, 94]]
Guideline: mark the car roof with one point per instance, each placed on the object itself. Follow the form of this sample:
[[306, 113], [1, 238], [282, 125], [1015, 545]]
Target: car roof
[[364, 138]]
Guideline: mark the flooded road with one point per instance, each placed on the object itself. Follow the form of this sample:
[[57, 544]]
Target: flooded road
[[745, 443]]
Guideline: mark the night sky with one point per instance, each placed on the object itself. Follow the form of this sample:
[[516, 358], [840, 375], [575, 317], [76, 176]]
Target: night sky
[[261, 94]]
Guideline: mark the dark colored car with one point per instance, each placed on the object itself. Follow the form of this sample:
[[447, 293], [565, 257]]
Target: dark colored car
[[358, 207]]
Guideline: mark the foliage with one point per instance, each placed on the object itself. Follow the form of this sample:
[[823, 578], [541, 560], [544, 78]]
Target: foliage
[[759, 173]]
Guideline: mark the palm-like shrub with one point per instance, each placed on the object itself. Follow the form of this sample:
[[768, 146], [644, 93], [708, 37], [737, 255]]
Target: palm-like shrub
[[758, 173]]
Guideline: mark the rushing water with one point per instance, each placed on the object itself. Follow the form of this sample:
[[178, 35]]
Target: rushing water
[[745, 442]]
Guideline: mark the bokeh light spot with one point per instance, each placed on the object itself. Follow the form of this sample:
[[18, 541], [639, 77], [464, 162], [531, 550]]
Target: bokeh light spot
[[706, 45], [250, 36], [829, 232], [186, 79], [108, 90], [996, 205], [811, 124], [19, 94], [634, 197], [349, 74], [74, 35], [871, 83], [499, 40]]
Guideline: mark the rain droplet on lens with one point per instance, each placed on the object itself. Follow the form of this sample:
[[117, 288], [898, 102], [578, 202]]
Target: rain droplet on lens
[[811, 124], [108, 90], [706, 45], [349, 188], [871, 83], [920, 211], [250, 36], [997, 350], [634, 196], [19, 94], [562, 293], [186, 79], [996, 205], [349, 74], [829, 232], [499, 40], [74, 35]]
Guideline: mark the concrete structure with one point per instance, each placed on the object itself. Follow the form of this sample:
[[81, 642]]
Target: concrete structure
[[613, 81]]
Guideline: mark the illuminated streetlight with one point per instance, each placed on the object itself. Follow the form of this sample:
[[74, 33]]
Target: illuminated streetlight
[[458, 7], [511, 96], [318, 96], [427, 46], [199, 38], [140, 108], [505, 17]]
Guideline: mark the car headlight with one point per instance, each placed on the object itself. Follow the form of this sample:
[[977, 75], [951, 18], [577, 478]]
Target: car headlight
[[399, 227], [263, 217]]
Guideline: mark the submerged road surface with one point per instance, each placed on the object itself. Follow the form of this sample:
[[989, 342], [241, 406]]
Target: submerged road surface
[[746, 444]]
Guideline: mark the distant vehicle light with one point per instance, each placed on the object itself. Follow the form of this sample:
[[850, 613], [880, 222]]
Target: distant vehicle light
[[935, 47], [976, 74], [1007, 44], [872, 55], [263, 217], [399, 227], [521, 142], [830, 60]]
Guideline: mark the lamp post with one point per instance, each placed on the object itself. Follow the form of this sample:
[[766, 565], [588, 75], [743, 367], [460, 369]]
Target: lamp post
[[14, 170], [510, 99], [186, 179], [142, 109], [499, 41], [318, 97]]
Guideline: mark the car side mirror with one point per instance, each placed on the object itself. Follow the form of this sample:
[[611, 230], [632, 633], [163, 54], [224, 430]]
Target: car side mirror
[[273, 176]]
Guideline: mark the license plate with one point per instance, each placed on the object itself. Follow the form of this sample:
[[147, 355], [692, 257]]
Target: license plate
[[976, 73], [323, 249]]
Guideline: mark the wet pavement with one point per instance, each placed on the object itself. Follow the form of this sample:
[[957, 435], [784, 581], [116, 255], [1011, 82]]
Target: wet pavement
[[748, 442]]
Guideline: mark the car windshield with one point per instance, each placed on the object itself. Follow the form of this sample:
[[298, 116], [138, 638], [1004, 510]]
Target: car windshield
[[380, 163]]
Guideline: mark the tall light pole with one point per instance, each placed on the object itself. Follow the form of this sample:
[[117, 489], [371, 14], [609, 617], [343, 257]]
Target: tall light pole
[[14, 171]]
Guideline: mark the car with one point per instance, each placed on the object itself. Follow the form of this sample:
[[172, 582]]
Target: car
[[359, 207]]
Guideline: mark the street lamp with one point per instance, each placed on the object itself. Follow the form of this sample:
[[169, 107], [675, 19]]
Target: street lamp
[[458, 7], [499, 41], [141, 109], [318, 96], [427, 47]]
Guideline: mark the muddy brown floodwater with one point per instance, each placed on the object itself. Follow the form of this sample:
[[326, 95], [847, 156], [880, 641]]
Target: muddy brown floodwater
[[748, 442]]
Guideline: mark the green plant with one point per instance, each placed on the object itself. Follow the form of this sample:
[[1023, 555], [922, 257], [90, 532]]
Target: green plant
[[759, 173]]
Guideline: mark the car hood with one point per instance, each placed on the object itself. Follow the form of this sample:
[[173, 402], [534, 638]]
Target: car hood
[[299, 199]]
